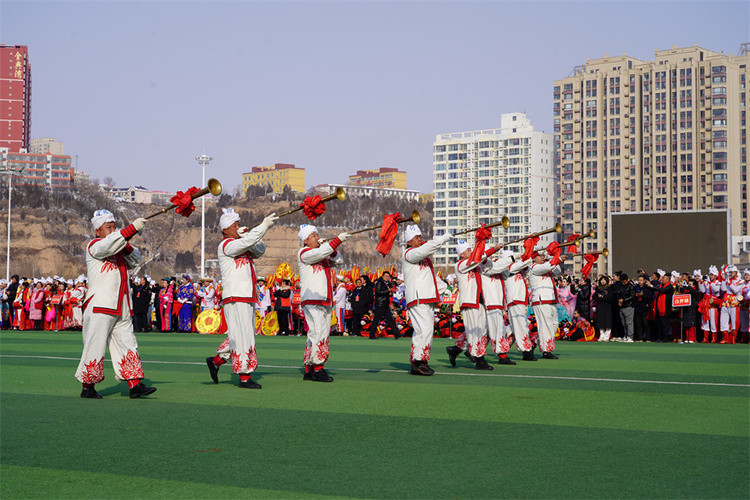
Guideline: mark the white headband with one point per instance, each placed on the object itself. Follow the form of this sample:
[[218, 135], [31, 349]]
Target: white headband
[[100, 217], [228, 218]]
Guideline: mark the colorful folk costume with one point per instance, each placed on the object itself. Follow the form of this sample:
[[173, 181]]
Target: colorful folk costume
[[166, 298], [423, 291], [711, 305], [314, 262], [729, 319], [240, 294], [107, 308], [185, 296]]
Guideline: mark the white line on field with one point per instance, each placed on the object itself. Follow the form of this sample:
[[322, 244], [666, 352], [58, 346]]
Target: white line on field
[[456, 374]]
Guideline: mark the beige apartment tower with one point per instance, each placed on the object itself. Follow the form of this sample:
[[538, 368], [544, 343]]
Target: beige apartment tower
[[667, 134]]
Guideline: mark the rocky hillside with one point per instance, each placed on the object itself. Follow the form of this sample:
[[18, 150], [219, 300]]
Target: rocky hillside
[[49, 232]]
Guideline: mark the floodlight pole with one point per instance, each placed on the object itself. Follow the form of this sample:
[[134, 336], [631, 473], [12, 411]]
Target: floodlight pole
[[203, 160]]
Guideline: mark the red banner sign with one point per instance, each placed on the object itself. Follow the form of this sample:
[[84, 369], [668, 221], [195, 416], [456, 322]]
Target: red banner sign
[[681, 300], [450, 299], [296, 299]]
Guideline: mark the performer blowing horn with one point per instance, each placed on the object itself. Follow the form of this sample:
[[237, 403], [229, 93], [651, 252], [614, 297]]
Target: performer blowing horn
[[389, 230], [184, 201]]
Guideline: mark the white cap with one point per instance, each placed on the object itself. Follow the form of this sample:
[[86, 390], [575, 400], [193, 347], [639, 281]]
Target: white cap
[[400, 276], [228, 218], [661, 272], [462, 246], [731, 268], [697, 274], [412, 231], [306, 230], [100, 217], [713, 270], [747, 270], [70, 282], [675, 275]]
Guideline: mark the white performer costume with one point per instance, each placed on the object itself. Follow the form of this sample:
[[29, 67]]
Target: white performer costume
[[422, 292], [544, 302], [207, 295], [517, 303], [76, 301], [729, 320], [240, 296], [493, 287], [339, 299], [471, 300], [107, 316], [316, 294], [712, 288]]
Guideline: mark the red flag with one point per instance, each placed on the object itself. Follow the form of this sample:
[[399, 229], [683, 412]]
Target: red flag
[[590, 259], [184, 201], [554, 250], [528, 245], [482, 235], [313, 207], [573, 248], [388, 233]]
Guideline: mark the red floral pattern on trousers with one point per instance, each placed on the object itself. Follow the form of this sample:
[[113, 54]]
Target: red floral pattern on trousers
[[550, 346], [461, 341], [252, 359], [236, 362], [504, 345], [308, 354], [223, 346], [425, 354], [93, 372], [525, 344], [323, 350], [130, 366], [482, 347]]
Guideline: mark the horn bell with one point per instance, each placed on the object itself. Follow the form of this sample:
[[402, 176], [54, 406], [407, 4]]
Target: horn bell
[[214, 187]]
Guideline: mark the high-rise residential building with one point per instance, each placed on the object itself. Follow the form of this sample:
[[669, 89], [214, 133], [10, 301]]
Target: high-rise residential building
[[15, 98], [383, 177], [275, 177], [482, 175], [45, 145], [668, 134]]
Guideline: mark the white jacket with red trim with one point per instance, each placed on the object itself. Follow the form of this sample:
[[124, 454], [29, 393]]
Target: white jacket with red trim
[[493, 283], [315, 275], [516, 291], [237, 266], [543, 289], [419, 277], [469, 277], [108, 260]]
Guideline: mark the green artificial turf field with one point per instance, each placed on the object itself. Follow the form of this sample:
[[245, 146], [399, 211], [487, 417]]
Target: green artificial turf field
[[603, 421]]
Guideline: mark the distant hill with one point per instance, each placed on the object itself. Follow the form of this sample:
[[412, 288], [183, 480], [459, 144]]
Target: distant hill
[[49, 231]]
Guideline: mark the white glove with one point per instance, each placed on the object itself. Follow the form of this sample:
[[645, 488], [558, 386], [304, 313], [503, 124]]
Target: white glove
[[507, 254], [268, 221], [343, 237], [139, 223], [242, 230], [444, 238]]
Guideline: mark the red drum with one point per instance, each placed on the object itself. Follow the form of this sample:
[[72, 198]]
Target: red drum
[[714, 301]]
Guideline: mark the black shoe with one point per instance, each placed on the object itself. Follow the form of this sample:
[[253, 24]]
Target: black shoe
[[453, 352], [482, 364], [307, 376], [321, 376], [421, 368], [141, 390], [250, 384], [213, 369], [528, 356], [506, 361], [90, 393], [371, 337], [548, 355], [471, 358]]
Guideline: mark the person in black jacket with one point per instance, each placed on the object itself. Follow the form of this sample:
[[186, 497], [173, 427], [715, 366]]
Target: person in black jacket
[[626, 301], [383, 295], [644, 295], [361, 300], [604, 298], [141, 292], [690, 314], [283, 306], [11, 291], [664, 292], [583, 299]]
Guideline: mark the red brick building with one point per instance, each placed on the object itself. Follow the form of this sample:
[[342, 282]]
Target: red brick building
[[15, 97]]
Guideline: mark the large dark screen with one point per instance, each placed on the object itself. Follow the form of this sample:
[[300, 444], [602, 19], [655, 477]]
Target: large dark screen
[[681, 241]]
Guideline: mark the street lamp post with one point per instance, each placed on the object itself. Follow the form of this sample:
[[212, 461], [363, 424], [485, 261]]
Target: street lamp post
[[203, 160], [10, 174]]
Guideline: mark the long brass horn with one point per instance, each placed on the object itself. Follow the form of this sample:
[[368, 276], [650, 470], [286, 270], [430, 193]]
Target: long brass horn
[[566, 244], [414, 218], [505, 222], [339, 194], [604, 252], [557, 229], [214, 187]]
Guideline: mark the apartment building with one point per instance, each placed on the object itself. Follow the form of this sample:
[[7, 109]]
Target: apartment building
[[661, 135], [275, 177], [480, 176], [383, 177]]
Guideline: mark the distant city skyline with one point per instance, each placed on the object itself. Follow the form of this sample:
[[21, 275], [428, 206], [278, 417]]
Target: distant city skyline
[[137, 90]]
